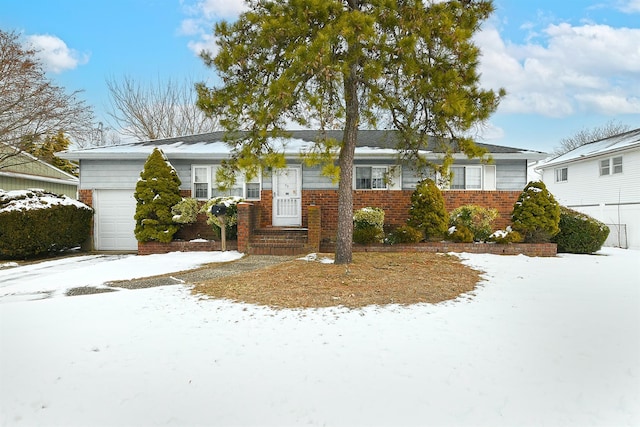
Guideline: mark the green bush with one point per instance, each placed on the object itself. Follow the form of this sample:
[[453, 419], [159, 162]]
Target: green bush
[[427, 212], [185, 211], [230, 219], [477, 219], [36, 222], [579, 233], [405, 234], [368, 225], [505, 237], [536, 214], [157, 191], [459, 234]]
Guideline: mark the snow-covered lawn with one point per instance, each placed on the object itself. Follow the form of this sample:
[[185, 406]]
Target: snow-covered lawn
[[542, 341]]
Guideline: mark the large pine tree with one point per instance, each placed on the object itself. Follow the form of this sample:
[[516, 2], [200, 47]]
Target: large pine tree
[[157, 191], [408, 65]]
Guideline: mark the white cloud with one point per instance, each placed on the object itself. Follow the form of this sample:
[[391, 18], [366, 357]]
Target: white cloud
[[207, 42], [630, 6], [587, 68], [54, 53], [214, 9], [203, 14]]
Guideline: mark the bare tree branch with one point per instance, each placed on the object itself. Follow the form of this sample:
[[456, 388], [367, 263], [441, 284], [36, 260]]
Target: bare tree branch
[[31, 106], [585, 135], [163, 110]]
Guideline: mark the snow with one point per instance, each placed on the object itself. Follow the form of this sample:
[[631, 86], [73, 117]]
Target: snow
[[23, 200], [541, 341], [54, 278], [623, 141]]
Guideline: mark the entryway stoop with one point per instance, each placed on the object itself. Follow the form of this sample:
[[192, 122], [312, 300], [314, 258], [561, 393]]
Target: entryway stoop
[[279, 241]]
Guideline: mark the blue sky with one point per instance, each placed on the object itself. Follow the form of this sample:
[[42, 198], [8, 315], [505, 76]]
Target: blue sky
[[566, 64]]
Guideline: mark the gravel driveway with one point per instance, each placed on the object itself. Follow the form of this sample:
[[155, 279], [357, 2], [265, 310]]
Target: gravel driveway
[[202, 274]]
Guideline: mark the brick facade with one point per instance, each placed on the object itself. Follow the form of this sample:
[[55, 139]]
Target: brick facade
[[395, 204]]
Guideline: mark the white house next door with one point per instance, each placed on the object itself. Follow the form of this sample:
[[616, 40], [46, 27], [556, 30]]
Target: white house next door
[[287, 197]]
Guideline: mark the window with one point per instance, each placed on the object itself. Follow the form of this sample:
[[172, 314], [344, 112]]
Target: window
[[204, 185], [561, 174], [370, 177], [609, 166], [466, 178], [617, 164], [201, 180]]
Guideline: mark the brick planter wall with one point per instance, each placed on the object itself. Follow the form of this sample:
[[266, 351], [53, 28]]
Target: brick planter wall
[[149, 248], [528, 249]]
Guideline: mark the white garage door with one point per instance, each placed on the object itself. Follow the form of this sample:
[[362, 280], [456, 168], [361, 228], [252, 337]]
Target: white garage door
[[114, 222]]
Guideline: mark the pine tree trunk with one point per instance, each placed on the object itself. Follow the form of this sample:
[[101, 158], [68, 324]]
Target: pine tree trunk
[[344, 239]]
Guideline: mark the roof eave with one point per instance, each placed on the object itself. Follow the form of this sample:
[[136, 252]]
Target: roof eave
[[603, 153]]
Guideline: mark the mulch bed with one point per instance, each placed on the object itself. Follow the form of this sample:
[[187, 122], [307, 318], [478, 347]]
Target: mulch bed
[[372, 279]]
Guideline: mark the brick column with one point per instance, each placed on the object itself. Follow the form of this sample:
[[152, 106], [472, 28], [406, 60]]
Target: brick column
[[314, 227], [245, 225], [86, 197]]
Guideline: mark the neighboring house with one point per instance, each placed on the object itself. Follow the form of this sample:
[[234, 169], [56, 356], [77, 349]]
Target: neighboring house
[[23, 171], [108, 177], [602, 179]]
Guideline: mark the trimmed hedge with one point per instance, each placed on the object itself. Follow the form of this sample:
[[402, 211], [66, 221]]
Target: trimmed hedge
[[427, 212], [405, 234], [579, 233], [368, 225], [36, 222], [536, 214], [476, 219]]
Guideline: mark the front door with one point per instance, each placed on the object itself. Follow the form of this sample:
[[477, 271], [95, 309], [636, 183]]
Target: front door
[[287, 197]]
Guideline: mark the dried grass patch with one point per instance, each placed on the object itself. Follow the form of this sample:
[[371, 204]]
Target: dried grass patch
[[373, 278]]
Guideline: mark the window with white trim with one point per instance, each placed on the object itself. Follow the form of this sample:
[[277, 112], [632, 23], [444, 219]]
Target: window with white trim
[[611, 166], [371, 177], [201, 182], [466, 178], [562, 174], [204, 184], [616, 164]]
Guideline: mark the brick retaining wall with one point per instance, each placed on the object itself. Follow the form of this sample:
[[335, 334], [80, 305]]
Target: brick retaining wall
[[528, 249], [149, 248]]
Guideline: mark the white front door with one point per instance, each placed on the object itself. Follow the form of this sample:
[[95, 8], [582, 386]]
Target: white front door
[[287, 197]]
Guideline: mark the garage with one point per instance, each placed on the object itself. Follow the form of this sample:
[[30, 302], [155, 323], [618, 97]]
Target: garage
[[114, 222]]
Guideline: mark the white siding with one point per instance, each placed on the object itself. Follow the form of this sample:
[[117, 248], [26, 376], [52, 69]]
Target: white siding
[[612, 199], [585, 186]]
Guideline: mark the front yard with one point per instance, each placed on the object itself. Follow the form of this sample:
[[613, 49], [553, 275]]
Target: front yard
[[540, 341]]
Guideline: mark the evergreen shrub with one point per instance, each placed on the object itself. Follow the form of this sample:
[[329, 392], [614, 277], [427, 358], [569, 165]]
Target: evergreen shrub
[[37, 222], [368, 225], [427, 212], [459, 234], [230, 219], [536, 214], [505, 237], [405, 234], [579, 233], [185, 211], [477, 219], [157, 191]]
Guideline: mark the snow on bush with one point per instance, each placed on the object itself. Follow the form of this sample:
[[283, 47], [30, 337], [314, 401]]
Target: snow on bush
[[36, 222]]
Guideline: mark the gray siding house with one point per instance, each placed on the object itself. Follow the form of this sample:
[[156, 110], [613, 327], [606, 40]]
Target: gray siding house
[[108, 177]]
